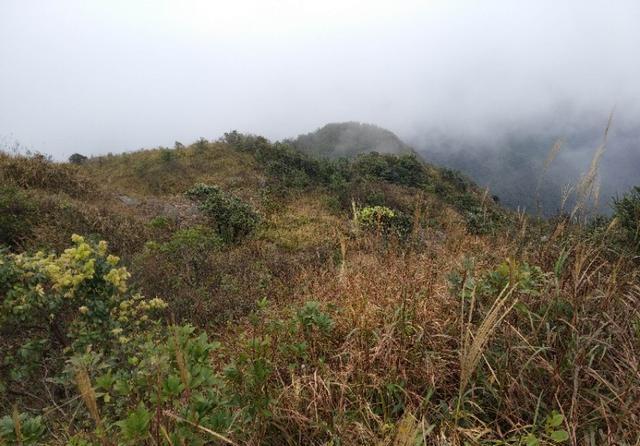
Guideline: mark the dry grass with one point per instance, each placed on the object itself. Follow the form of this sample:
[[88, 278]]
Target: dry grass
[[83, 381], [153, 172], [473, 345], [38, 172], [551, 156], [588, 186]]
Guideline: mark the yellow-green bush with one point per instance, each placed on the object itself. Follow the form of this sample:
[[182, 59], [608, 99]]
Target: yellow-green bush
[[383, 220], [70, 301]]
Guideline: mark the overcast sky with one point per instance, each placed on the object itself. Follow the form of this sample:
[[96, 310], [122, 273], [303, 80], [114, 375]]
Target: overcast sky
[[100, 76]]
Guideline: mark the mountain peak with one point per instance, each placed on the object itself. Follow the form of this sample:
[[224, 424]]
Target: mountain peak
[[350, 139]]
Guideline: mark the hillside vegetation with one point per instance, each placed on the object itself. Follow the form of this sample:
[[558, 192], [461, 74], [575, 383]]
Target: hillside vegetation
[[247, 292]]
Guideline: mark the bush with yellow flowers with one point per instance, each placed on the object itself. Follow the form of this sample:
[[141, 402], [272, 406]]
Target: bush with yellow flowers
[[383, 220], [70, 302]]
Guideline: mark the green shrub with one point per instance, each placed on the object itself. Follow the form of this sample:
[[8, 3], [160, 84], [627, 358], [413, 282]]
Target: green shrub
[[311, 316], [481, 217], [512, 273], [167, 155], [232, 218], [288, 166], [30, 430], [245, 143], [201, 145], [184, 262], [159, 222], [456, 179], [16, 215], [627, 214], [550, 432], [189, 242], [405, 170], [77, 158], [188, 252]]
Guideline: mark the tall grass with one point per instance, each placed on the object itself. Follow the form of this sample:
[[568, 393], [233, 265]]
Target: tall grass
[[551, 156], [588, 186]]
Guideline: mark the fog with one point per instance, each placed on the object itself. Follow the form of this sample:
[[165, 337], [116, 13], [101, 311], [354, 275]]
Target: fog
[[111, 76]]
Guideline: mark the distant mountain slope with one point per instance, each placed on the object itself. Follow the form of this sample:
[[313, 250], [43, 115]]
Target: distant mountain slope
[[349, 139], [517, 164]]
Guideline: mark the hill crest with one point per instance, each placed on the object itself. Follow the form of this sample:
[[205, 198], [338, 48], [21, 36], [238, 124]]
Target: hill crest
[[349, 139]]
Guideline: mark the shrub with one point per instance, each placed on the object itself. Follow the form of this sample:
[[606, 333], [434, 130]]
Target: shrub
[[289, 167], [190, 241], [627, 214], [480, 215], [456, 179], [201, 145], [384, 220], [159, 222], [167, 155], [405, 170], [233, 218], [77, 158], [525, 277], [22, 429], [16, 214], [141, 381], [74, 299], [311, 315], [245, 143]]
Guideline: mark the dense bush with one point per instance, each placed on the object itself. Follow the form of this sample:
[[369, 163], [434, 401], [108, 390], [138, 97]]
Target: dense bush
[[132, 373], [17, 212], [167, 155], [73, 300], [232, 218], [383, 220], [185, 266], [405, 170], [627, 214], [480, 214], [105, 341], [77, 158], [245, 143], [456, 179], [290, 167]]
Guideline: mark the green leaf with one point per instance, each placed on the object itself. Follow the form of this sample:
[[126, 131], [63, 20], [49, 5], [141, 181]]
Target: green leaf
[[531, 440], [105, 381], [136, 425], [554, 419], [559, 436], [173, 386]]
